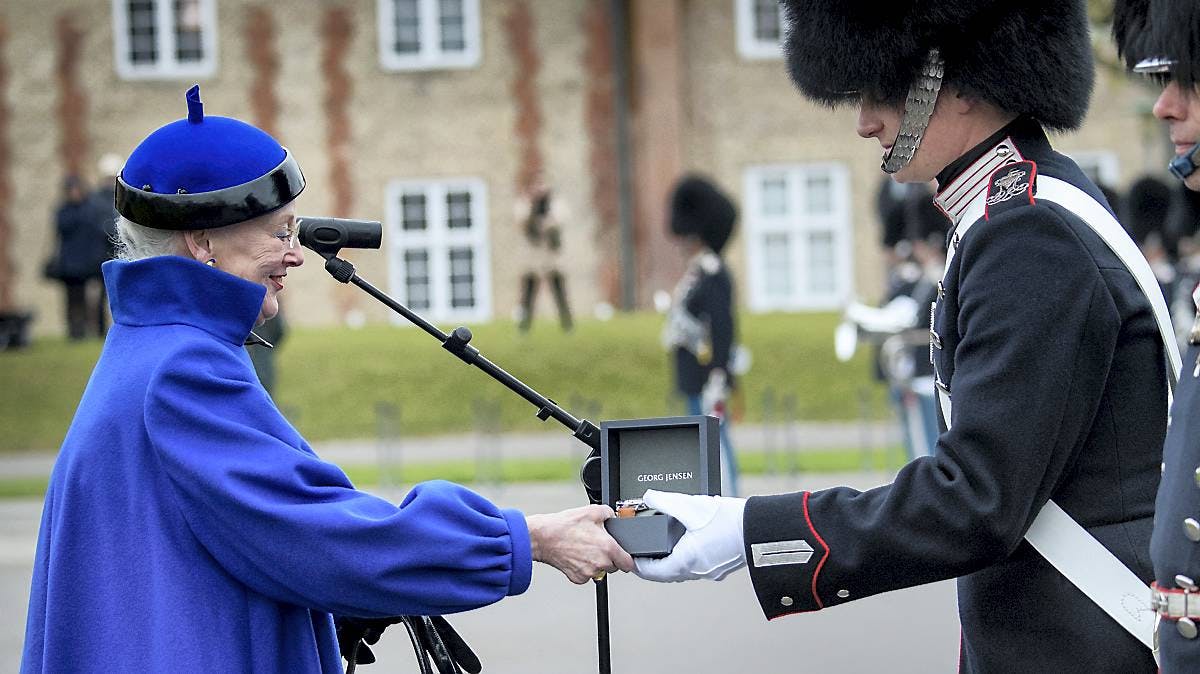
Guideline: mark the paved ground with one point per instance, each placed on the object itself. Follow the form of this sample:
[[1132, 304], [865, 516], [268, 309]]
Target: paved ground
[[555, 441], [697, 627]]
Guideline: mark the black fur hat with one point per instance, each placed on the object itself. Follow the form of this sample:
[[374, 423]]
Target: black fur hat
[[1166, 29], [1184, 217], [1024, 56], [1146, 207], [924, 219], [698, 207], [890, 204]]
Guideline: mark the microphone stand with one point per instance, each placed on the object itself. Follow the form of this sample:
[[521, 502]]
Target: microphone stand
[[458, 343]]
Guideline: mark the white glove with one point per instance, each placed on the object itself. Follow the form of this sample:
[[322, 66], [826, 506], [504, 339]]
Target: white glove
[[714, 394], [712, 548]]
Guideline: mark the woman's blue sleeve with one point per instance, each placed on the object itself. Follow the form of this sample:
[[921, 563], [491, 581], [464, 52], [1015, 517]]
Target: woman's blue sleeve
[[293, 527]]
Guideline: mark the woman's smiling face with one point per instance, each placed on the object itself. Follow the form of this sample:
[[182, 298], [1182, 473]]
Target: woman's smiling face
[[261, 251]]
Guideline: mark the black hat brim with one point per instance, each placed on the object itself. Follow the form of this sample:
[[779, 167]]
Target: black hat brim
[[218, 208]]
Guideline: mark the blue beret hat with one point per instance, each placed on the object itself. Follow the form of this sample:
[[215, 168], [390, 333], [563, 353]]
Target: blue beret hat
[[205, 172]]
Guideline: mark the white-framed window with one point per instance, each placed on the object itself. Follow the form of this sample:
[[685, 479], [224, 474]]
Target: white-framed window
[[440, 264], [165, 39], [759, 28], [798, 236], [428, 34], [1101, 166]]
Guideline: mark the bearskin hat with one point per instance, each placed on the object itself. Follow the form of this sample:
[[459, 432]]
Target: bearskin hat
[[699, 208], [1146, 207], [923, 217], [1184, 215], [1024, 56], [890, 204], [1160, 29]]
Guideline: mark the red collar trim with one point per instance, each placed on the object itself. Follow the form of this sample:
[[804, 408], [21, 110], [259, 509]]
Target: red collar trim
[[971, 185]]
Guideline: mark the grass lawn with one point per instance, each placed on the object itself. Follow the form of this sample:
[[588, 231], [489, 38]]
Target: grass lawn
[[333, 380]]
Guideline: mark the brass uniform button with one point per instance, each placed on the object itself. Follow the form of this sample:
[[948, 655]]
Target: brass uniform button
[[1191, 529], [786, 600]]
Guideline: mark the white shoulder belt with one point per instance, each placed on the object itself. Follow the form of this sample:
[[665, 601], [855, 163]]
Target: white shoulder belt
[[1061, 540]]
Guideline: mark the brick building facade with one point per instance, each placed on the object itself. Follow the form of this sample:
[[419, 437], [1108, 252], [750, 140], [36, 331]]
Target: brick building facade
[[434, 116]]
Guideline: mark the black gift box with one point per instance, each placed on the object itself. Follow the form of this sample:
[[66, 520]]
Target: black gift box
[[680, 454]]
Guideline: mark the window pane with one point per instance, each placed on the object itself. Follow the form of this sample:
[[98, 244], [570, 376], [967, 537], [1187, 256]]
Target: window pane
[[462, 278], [820, 193], [188, 28], [766, 20], [458, 210], [416, 277], [408, 27], [452, 25], [774, 196], [820, 263], [142, 47], [412, 211], [777, 257]]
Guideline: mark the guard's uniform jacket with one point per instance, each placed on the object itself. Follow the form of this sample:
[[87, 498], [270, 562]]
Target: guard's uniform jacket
[[1175, 545], [1054, 361], [705, 293]]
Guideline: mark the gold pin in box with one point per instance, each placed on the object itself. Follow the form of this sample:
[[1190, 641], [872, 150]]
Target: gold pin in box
[[631, 507]]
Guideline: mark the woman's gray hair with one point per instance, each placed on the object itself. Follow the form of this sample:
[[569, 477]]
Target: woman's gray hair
[[136, 242]]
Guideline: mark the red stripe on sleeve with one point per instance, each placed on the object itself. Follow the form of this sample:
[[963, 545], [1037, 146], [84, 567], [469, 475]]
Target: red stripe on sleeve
[[808, 520]]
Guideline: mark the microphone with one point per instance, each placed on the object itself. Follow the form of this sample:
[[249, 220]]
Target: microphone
[[327, 236], [1183, 165]]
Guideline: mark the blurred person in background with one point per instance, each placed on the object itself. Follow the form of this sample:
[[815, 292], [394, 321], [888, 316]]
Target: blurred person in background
[[890, 207], [188, 527], [1183, 219], [542, 215], [916, 229], [1144, 212], [1162, 40], [926, 226], [263, 359], [1050, 345], [701, 329], [82, 248]]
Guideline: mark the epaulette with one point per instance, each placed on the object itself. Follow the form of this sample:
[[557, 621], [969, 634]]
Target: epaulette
[[1011, 186]]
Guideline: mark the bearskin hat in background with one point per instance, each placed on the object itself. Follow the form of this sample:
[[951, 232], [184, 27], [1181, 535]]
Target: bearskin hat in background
[[1024, 56], [925, 220], [1160, 29], [698, 207], [1184, 217], [1146, 208], [890, 205]]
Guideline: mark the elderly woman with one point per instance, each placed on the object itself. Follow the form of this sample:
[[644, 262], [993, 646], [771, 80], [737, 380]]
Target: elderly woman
[[187, 526]]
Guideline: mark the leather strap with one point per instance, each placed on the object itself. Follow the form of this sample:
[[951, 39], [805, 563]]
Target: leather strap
[[1174, 604]]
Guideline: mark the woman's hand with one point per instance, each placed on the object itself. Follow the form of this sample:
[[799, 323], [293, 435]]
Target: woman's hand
[[575, 542]]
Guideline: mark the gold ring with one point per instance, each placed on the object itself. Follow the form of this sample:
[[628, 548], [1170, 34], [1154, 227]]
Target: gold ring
[[599, 576]]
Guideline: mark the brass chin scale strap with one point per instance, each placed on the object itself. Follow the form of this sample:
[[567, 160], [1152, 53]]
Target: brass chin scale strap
[[918, 108]]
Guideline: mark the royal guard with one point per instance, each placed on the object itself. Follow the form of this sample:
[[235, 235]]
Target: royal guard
[[1050, 342], [1162, 40]]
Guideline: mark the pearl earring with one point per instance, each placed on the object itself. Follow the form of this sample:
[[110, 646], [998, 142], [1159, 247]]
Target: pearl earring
[[212, 262]]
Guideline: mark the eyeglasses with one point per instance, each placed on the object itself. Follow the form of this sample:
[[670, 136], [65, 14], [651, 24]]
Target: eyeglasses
[[288, 235]]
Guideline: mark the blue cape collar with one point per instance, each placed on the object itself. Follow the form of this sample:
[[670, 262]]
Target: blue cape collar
[[175, 290]]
